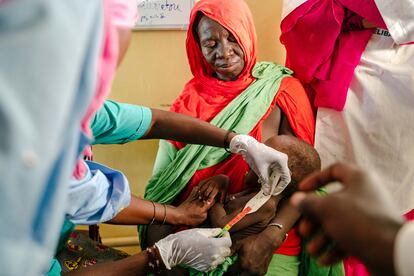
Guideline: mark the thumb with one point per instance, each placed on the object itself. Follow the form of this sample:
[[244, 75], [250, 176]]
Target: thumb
[[224, 241], [262, 171], [209, 232]]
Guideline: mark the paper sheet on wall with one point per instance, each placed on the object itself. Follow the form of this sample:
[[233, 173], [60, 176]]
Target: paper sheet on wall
[[163, 14]]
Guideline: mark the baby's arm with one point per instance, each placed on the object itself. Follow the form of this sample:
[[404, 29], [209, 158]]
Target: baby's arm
[[219, 217]]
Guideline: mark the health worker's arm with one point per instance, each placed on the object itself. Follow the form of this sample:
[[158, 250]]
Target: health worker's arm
[[119, 123], [103, 195], [196, 248]]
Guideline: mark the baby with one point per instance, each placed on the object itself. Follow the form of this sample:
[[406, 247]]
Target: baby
[[303, 160]]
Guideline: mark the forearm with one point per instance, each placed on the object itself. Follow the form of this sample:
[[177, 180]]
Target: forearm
[[287, 216], [142, 211], [134, 265], [178, 127]]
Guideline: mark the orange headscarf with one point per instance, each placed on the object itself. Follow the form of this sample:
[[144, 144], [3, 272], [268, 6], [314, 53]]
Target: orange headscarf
[[204, 96]]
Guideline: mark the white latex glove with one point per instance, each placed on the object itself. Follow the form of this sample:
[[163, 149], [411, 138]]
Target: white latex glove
[[197, 248], [264, 161]]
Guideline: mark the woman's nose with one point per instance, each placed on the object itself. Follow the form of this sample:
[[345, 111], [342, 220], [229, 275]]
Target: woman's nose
[[224, 50]]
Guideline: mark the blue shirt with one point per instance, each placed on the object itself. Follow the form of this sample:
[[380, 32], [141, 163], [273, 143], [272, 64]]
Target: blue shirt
[[48, 68], [103, 192]]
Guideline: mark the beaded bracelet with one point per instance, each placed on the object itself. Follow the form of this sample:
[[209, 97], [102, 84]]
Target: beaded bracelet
[[154, 263]]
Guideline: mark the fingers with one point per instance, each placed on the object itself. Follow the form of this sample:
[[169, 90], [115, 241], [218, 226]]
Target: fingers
[[314, 208], [210, 193], [321, 245], [222, 197], [307, 227], [332, 256], [210, 189], [318, 244], [337, 172], [194, 194], [267, 189], [223, 242], [208, 232], [278, 180]]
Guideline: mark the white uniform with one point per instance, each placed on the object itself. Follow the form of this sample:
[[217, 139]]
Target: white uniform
[[376, 127]]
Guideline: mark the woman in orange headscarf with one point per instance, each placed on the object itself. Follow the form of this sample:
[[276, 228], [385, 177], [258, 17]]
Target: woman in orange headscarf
[[230, 89]]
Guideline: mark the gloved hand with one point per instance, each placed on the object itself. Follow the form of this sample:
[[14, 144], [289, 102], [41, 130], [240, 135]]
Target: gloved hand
[[264, 161], [197, 248]]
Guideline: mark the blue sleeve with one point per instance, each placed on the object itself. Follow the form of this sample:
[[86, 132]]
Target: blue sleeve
[[99, 196], [119, 123]]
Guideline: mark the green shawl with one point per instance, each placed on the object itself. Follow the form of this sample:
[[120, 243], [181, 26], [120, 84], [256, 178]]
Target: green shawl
[[241, 115]]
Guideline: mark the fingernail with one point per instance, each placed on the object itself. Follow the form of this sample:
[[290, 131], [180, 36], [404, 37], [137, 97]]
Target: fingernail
[[297, 198]]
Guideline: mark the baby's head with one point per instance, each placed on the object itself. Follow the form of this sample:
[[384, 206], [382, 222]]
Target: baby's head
[[303, 159]]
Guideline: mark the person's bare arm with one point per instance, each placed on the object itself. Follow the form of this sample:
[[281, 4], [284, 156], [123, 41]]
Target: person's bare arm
[[191, 212], [141, 211], [256, 251], [178, 127], [219, 218], [134, 265]]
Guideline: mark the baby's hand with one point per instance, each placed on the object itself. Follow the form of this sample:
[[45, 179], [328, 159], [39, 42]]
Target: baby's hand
[[212, 187], [193, 211]]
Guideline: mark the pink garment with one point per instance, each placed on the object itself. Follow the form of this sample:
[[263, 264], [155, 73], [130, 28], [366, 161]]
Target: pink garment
[[324, 45], [354, 267], [125, 13], [106, 71]]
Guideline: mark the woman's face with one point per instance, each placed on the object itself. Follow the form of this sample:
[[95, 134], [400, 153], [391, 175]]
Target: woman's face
[[220, 49]]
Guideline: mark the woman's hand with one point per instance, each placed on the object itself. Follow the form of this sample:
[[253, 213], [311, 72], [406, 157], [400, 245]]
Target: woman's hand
[[256, 251], [198, 248], [264, 161]]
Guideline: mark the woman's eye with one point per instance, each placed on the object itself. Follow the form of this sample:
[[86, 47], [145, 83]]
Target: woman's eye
[[210, 44], [232, 39]]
